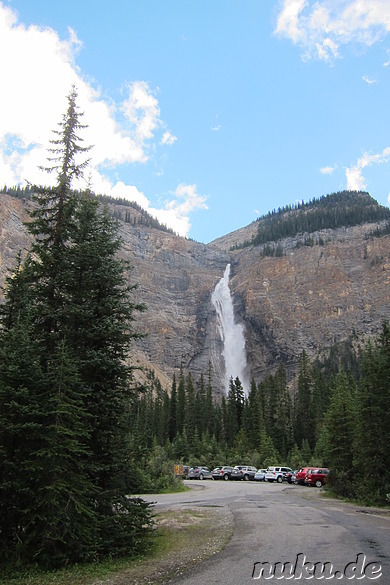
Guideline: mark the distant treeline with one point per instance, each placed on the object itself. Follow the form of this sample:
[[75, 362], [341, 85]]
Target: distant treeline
[[342, 209], [338, 416], [142, 217]]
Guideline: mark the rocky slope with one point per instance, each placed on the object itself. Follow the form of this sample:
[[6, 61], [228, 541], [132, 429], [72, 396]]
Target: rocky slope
[[307, 298]]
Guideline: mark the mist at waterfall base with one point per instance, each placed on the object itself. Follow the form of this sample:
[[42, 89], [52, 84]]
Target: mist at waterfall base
[[231, 333]]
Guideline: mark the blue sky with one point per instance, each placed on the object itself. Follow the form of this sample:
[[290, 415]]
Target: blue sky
[[207, 113]]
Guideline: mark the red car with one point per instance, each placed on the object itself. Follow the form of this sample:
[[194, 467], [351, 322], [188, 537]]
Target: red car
[[300, 476], [317, 477]]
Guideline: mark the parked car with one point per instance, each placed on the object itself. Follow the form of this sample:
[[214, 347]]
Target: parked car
[[222, 472], [244, 472], [199, 472], [277, 473], [290, 476], [300, 476], [317, 477], [260, 475]]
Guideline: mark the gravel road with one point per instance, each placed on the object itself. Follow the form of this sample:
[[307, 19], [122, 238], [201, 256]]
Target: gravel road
[[282, 531]]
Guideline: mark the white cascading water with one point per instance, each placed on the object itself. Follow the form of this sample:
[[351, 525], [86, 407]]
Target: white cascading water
[[231, 333]]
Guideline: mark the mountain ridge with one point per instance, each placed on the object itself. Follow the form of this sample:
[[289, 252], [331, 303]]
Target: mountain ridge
[[313, 291]]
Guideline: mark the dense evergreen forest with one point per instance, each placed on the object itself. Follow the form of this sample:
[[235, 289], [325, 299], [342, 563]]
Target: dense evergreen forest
[[337, 415], [342, 209]]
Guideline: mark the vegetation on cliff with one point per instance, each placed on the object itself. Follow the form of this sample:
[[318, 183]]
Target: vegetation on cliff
[[131, 211], [342, 209]]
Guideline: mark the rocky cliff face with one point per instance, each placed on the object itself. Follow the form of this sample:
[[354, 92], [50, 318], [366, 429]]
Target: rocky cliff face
[[308, 298]]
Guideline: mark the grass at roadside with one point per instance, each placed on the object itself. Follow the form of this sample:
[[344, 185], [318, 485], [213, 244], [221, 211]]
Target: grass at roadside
[[326, 493], [178, 488], [181, 540]]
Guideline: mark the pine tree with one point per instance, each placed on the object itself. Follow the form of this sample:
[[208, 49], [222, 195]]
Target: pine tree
[[338, 433], [201, 407], [234, 409], [304, 427], [190, 416], [173, 410], [254, 422], [282, 432], [209, 405], [20, 419], [64, 522], [372, 448], [72, 303], [181, 402], [58, 451]]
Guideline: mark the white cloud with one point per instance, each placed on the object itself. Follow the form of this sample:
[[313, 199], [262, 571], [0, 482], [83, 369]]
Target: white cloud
[[369, 80], [355, 179], [177, 210], [321, 27], [289, 20], [40, 71], [327, 170], [142, 110], [168, 138], [37, 74]]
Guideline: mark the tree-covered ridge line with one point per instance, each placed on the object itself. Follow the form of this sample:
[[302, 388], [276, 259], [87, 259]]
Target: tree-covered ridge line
[[342, 209], [337, 416], [142, 217]]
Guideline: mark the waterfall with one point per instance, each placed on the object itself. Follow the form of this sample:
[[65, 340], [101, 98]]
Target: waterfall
[[231, 333]]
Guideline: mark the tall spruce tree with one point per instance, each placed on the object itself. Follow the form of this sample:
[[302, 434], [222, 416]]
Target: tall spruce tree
[[372, 449], [281, 431], [338, 431], [58, 524], [181, 402], [190, 414], [254, 420], [79, 326], [172, 429], [304, 427], [234, 409], [20, 418]]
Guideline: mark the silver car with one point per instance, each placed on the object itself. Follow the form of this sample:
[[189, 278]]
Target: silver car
[[199, 472], [244, 472]]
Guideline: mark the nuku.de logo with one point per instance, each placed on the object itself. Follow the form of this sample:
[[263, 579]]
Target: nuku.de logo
[[304, 569]]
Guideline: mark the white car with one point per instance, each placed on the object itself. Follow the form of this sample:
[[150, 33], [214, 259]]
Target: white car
[[277, 473]]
